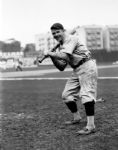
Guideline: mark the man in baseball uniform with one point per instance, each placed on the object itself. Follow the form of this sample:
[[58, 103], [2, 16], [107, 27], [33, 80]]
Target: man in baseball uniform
[[82, 84]]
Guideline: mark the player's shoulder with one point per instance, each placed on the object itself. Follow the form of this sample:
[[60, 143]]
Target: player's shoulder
[[71, 37]]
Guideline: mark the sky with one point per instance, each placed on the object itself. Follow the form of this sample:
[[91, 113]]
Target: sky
[[23, 19]]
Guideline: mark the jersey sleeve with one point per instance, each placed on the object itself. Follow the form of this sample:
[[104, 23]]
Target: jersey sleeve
[[70, 45]]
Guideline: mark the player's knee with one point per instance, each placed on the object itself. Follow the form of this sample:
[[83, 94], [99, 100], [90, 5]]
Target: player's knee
[[67, 98], [70, 102]]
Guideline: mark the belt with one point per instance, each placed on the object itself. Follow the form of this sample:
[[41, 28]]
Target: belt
[[81, 62]]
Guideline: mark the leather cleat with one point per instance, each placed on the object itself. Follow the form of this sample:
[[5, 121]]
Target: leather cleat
[[72, 122], [86, 131]]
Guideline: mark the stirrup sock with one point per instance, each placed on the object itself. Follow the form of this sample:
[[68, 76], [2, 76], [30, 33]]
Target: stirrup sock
[[89, 108], [72, 106]]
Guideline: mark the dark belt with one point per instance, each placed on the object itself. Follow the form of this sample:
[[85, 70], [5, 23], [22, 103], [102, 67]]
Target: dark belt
[[81, 62]]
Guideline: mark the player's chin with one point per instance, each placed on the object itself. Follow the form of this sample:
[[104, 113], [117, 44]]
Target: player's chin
[[58, 39]]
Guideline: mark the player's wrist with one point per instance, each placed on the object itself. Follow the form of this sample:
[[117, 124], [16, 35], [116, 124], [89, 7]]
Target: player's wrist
[[49, 53]]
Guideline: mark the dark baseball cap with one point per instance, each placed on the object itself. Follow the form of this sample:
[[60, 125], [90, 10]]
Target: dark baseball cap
[[57, 26]]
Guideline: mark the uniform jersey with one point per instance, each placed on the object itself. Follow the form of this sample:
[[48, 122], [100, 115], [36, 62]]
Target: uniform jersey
[[75, 49], [82, 84]]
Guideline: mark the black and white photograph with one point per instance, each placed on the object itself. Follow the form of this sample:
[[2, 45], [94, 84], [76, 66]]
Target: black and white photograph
[[58, 75]]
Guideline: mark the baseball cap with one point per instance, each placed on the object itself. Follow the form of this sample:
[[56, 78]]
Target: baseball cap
[[57, 26]]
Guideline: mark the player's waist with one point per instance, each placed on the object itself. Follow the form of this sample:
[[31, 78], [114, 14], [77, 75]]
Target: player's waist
[[81, 62]]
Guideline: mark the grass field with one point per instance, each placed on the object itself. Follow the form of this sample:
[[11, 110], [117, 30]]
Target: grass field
[[33, 114]]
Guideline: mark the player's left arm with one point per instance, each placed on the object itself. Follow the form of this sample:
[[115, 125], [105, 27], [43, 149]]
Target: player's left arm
[[59, 59], [59, 64], [58, 55], [66, 49]]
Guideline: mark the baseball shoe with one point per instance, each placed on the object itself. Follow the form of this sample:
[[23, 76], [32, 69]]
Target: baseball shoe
[[86, 131], [72, 122]]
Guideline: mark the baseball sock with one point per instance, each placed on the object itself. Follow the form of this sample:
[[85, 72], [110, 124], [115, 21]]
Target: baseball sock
[[89, 108], [90, 122], [73, 108]]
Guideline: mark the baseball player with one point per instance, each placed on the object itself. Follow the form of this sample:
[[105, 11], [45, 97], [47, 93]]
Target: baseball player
[[18, 65], [82, 84]]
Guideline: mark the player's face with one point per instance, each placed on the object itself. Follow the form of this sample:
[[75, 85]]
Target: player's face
[[58, 35]]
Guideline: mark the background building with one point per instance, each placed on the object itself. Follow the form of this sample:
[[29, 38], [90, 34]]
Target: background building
[[92, 36], [41, 42], [110, 40], [44, 41]]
